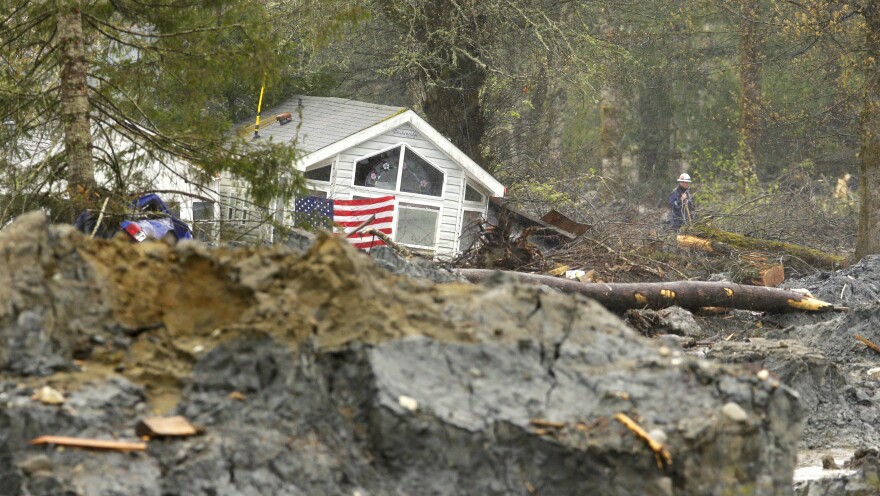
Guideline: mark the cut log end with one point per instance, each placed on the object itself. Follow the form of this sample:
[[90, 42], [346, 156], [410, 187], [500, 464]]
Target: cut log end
[[811, 304]]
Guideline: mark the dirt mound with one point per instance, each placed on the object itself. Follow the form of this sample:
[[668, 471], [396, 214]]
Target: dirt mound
[[324, 374]]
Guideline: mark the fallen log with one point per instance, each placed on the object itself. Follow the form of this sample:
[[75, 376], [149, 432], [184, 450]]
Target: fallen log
[[687, 294], [755, 270], [758, 274], [811, 256]]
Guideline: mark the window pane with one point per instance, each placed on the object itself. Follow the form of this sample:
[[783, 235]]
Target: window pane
[[321, 174], [203, 210], [470, 229], [203, 215], [471, 194], [419, 176], [378, 171], [416, 226]]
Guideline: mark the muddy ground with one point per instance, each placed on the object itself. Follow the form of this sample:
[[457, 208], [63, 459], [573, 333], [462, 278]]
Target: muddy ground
[[327, 372]]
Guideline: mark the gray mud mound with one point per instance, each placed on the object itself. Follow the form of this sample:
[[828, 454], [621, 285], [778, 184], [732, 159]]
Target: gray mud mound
[[854, 286], [323, 374]]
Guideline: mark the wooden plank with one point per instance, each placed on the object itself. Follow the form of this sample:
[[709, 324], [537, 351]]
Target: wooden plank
[[79, 442], [164, 427]]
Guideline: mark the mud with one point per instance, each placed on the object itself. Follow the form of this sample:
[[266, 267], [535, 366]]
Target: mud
[[837, 376], [324, 373]]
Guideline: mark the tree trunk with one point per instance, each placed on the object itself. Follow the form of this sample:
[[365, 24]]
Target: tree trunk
[[810, 256], [868, 238], [655, 136], [452, 105], [75, 102], [750, 103], [687, 294], [610, 135]]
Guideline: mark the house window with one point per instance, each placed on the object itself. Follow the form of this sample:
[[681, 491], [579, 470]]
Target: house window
[[320, 174], [419, 176], [417, 225], [378, 171], [471, 222], [472, 195], [203, 216], [399, 169]]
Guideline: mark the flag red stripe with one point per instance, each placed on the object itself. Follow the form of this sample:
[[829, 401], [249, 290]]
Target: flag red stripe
[[357, 222], [343, 212], [363, 201]]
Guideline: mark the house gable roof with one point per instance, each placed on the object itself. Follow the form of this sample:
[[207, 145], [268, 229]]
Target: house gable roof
[[328, 126]]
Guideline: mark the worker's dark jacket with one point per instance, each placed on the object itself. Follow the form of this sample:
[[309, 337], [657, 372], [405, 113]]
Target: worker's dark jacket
[[680, 214]]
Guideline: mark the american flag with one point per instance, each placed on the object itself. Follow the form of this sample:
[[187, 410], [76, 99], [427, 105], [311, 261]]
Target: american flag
[[348, 214]]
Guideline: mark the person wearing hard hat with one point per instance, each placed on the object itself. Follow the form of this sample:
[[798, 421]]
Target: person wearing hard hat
[[681, 203]]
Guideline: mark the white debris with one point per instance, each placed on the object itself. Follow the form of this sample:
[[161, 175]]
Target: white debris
[[48, 396], [409, 403]]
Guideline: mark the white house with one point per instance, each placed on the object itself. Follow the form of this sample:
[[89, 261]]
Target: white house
[[357, 150]]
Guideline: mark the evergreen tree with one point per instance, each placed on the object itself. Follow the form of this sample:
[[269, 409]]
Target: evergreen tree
[[109, 86]]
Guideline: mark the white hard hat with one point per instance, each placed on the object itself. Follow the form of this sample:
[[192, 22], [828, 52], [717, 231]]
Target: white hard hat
[[684, 178]]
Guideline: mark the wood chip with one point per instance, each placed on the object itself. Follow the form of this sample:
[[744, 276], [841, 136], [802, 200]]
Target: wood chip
[[547, 423], [165, 427], [79, 442]]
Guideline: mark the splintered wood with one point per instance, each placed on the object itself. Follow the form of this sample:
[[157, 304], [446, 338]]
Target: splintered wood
[[661, 454]]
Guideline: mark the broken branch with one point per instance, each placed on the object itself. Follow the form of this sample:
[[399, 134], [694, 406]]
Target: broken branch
[[661, 454], [868, 343]]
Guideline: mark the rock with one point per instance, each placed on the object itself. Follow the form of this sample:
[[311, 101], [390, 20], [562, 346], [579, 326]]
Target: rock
[[680, 321], [658, 435], [734, 412], [417, 267], [668, 321], [817, 380], [35, 463], [51, 297], [828, 463], [323, 346]]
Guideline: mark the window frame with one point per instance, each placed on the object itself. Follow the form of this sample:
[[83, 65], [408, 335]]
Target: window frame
[[438, 209], [461, 222], [320, 165], [465, 201]]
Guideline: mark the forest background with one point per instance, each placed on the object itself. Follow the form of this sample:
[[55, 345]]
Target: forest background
[[591, 108]]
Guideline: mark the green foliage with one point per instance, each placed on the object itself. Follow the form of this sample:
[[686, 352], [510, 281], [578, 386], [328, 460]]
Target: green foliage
[[715, 180]]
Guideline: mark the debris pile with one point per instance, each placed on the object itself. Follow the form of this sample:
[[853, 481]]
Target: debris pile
[[322, 373]]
